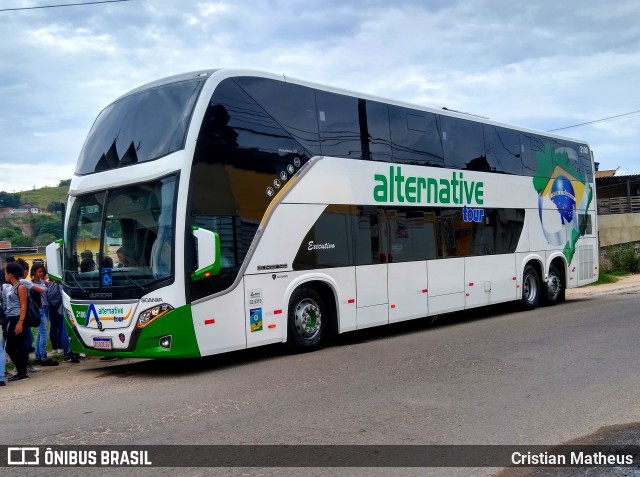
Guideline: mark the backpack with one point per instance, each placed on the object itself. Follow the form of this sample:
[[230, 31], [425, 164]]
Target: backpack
[[32, 317], [36, 296], [53, 295]]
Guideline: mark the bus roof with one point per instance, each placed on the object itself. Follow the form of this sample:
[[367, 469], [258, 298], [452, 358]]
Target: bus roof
[[223, 73]]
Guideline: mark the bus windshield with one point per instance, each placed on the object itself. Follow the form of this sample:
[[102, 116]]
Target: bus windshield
[[140, 127], [121, 237]]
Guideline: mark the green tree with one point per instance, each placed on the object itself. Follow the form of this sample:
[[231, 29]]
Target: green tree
[[46, 225], [9, 200], [16, 237]]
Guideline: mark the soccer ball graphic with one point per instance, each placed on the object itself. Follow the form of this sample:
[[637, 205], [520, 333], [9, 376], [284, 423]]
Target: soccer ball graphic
[[564, 198]]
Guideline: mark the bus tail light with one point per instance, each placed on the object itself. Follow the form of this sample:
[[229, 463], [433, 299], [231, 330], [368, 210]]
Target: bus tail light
[[147, 316]]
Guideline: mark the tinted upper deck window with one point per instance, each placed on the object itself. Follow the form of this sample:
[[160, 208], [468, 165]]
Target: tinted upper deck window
[[291, 105], [415, 137], [463, 144], [379, 136], [533, 149], [503, 149], [339, 123]]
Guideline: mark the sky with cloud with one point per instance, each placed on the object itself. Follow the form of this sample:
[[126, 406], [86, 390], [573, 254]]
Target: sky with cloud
[[542, 65]]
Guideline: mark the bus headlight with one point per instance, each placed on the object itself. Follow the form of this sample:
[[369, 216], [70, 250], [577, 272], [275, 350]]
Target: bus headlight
[[147, 316]]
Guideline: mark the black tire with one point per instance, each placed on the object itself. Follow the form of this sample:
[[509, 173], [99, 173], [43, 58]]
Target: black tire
[[555, 287], [530, 288], [308, 320]]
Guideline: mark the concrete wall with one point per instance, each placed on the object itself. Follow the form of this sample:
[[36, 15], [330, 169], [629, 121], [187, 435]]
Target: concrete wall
[[618, 228]]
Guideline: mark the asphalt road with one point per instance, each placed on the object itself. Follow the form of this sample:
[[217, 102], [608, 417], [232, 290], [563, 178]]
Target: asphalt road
[[491, 376]]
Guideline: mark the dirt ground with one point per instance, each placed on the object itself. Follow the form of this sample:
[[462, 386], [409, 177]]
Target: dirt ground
[[49, 379]]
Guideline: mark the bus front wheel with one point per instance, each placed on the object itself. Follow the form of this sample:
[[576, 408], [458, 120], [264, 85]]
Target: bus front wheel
[[307, 317], [530, 288]]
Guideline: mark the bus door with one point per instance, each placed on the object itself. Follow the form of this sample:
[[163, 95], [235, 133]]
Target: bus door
[[371, 256], [411, 243]]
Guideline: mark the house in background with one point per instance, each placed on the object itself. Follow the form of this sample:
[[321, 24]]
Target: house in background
[[23, 211], [618, 208]]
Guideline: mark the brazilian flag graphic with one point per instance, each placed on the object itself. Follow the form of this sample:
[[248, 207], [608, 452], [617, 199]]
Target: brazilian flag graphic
[[564, 196]]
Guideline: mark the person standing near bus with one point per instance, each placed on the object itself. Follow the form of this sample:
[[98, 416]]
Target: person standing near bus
[[14, 299], [38, 274], [7, 260], [28, 334], [3, 362]]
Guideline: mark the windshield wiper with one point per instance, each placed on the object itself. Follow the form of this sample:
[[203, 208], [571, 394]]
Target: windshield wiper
[[77, 283], [141, 287]]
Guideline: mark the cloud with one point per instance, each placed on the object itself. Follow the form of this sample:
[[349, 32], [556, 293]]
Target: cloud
[[62, 41], [33, 175], [543, 65]]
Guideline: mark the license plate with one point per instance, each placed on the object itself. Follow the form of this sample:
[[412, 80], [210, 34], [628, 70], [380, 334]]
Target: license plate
[[102, 343]]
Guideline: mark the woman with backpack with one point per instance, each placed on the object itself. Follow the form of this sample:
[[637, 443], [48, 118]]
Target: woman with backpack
[[14, 300]]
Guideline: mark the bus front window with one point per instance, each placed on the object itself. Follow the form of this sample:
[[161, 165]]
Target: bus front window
[[121, 237]]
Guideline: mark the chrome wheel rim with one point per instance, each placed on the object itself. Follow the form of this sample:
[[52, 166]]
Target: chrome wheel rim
[[530, 288], [308, 318], [554, 286]]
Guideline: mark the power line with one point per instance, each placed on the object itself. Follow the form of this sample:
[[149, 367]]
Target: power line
[[62, 5], [596, 121]]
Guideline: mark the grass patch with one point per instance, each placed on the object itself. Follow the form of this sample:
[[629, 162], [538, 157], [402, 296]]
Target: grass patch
[[605, 278], [618, 261], [622, 259], [42, 197]]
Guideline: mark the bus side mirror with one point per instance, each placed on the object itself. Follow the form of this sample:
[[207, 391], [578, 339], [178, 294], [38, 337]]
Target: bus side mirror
[[208, 245], [54, 261]]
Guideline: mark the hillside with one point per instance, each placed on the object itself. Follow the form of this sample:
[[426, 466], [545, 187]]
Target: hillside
[[38, 229], [41, 198]]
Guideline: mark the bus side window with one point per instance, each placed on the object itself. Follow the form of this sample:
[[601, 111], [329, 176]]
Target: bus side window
[[339, 124], [415, 137], [447, 232], [412, 234], [584, 159], [463, 144], [571, 150], [503, 149], [329, 242], [379, 136], [532, 146], [291, 105], [369, 236]]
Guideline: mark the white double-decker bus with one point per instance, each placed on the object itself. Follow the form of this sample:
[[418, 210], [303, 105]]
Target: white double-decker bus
[[227, 209]]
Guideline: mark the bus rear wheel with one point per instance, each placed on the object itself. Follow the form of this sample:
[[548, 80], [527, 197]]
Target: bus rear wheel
[[530, 288], [306, 327], [555, 287]]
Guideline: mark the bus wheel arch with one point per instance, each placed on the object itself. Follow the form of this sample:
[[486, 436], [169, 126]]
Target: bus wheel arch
[[531, 285], [312, 316], [556, 283]]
